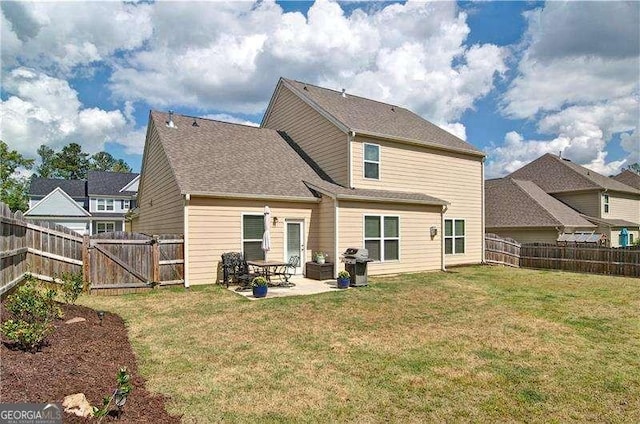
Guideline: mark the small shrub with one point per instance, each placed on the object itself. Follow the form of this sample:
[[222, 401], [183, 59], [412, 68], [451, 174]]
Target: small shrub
[[344, 274], [32, 312], [259, 281], [72, 286]]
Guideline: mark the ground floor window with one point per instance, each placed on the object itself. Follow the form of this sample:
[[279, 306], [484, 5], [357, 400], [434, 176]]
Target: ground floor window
[[382, 237], [454, 236], [252, 231], [105, 227]]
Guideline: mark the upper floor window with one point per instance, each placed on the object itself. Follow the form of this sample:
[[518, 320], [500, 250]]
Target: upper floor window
[[454, 236], [382, 237], [126, 205], [372, 161], [252, 231], [605, 200], [104, 204]]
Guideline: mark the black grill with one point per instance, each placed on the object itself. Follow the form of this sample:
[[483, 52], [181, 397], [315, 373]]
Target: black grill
[[355, 263]]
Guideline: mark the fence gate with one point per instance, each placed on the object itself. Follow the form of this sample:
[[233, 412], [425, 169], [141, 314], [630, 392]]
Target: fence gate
[[503, 251], [121, 260]]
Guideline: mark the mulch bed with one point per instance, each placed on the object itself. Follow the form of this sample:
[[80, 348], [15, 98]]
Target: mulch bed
[[84, 358]]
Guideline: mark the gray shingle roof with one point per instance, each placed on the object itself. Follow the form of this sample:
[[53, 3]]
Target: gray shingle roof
[[556, 175], [514, 203], [108, 183], [221, 158], [44, 186], [629, 178], [364, 115], [612, 222], [344, 193]]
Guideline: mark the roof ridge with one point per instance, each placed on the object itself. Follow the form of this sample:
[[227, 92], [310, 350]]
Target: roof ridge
[[347, 93], [213, 120]]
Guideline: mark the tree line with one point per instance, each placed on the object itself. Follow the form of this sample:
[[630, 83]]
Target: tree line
[[70, 163]]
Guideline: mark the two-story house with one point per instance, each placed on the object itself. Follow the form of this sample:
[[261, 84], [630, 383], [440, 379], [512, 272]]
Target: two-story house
[[95, 205], [336, 171], [612, 206]]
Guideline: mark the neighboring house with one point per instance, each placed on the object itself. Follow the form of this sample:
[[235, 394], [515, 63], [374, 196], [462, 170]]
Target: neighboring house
[[336, 170], [611, 205], [524, 212], [629, 178], [95, 205]]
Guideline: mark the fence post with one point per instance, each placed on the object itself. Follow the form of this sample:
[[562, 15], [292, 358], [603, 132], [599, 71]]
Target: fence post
[[155, 249], [86, 268]]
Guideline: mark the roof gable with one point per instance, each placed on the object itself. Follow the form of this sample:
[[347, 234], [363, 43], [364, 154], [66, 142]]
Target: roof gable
[[376, 119], [513, 203], [556, 175], [57, 203]]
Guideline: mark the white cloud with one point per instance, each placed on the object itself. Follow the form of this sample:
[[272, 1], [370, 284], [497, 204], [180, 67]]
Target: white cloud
[[225, 117], [46, 110], [578, 79]]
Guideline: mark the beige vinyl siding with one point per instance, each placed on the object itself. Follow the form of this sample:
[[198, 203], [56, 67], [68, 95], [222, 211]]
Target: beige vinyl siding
[[325, 222], [586, 203], [531, 235], [215, 227], [453, 177], [160, 203], [418, 251], [320, 139], [623, 206]]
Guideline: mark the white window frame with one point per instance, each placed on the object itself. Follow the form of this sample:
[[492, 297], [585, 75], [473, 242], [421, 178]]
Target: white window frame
[[126, 204], [605, 201], [365, 161], [105, 223], [382, 237], [242, 239], [453, 235], [104, 203]]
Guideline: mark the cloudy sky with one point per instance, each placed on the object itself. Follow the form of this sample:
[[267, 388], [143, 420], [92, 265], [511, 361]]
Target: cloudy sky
[[516, 79]]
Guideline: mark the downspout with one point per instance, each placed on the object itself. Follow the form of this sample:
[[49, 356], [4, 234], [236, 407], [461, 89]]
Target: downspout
[[442, 264], [482, 213], [187, 198], [336, 238], [351, 135]]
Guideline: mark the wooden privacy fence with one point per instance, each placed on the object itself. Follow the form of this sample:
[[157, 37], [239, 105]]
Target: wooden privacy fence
[[110, 262], [591, 259], [503, 251]]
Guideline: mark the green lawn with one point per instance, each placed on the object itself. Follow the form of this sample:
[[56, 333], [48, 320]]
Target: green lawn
[[482, 344]]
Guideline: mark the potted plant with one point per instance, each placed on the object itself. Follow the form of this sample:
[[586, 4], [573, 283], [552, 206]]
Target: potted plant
[[259, 286], [344, 280], [319, 257]]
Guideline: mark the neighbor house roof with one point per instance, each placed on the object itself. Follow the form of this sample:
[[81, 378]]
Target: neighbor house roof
[[612, 222], [629, 178], [108, 183], [515, 203], [557, 175], [44, 186], [378, 119], [214, 158]]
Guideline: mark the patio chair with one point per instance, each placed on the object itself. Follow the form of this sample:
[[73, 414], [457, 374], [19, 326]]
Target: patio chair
[[286, 271], [236, 271]]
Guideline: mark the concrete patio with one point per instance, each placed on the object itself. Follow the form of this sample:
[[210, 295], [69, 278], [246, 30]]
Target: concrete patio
[[303, 286]]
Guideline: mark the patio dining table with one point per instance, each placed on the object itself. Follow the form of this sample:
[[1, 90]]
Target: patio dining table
[[267, 268]]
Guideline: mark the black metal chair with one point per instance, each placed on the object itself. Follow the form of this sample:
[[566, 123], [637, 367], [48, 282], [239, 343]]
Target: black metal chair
[[235, 270], [288, 270]]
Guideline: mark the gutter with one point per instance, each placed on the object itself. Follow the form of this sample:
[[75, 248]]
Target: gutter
[[253, 197]]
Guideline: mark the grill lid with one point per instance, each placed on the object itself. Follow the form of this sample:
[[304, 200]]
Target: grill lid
[[356, 253]]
